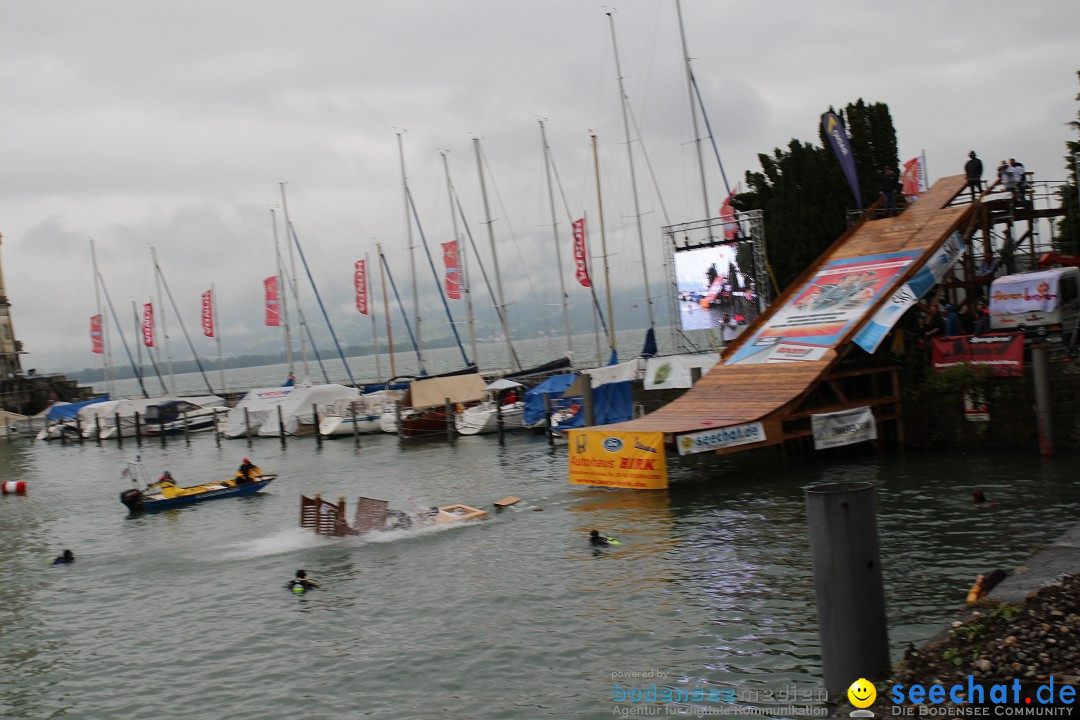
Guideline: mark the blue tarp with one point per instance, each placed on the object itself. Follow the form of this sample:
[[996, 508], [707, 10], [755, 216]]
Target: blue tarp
[[554, 386], [67, 412], [611, 404]]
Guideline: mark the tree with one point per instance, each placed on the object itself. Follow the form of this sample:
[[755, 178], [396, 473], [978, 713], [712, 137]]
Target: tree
[[804, 195], [1068, 227]]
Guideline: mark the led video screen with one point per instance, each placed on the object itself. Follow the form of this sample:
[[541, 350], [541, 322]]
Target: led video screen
[[713, 289]]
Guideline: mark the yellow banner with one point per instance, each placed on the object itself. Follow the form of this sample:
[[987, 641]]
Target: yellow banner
[[618, 459]]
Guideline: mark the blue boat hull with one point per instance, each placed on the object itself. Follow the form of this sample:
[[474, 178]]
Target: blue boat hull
[[225, 492]]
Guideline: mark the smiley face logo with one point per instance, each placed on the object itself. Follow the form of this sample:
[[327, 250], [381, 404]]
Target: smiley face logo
[[862, 693]]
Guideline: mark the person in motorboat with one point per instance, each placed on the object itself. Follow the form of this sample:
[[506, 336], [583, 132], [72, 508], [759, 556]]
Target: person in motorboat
[[66, 558], [248, 472], [301, 583], [168, 486]]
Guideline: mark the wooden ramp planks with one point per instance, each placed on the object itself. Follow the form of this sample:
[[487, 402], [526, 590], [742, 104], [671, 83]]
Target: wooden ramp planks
[[736, 394]]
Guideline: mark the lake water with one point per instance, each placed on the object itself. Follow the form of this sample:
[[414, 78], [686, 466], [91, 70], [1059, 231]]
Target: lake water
[[183, 615]]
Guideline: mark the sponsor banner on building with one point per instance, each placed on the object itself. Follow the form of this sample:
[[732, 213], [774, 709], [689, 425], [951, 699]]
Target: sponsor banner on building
[[618, 459], [1003, 353], [720, 438], [843, 428], [976, 407], [885, 319]]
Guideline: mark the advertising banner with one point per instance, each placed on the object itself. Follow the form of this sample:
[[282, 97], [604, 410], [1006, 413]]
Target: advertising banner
[[618, 459], [1002, 352], [720, 438], [148, 325], [360, 281], [911, 177], [824, 309], [843, 428], [581, 258], [1027, 293], [97, 342], [727, 214], [834, 130], [870, 337], [453, 272], [273, 306], [934, 269], [208, 314], [676, 371]]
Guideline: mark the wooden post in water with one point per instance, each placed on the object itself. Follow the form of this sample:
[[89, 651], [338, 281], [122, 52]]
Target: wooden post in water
[[78, 426], [187, 430], [138, 430], [1040, 364], [97, 427], [397, 418], [449, 422], [355, 429], [281, 425], [161, 431], [217, 430], [247, 425], [315, 419], [842, 523], [547, 419], [499, 421]]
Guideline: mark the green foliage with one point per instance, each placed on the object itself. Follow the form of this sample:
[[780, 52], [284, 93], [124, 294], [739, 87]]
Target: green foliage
[[1007, 611], [948, 386], [804, 193], [1068, 227]]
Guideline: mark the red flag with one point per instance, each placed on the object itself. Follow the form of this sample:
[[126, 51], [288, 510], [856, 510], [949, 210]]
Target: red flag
[[727, 214], [910, 177], [273, 306], [208, 314], [581, 258], [148, 325], [453, 276], [360, 280], [97, 343]]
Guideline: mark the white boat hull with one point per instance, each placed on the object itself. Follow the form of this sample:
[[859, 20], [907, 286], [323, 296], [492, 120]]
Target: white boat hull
[[483, 419], [336, 425]]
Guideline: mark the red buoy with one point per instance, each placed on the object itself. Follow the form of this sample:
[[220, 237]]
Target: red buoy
[[13, 488]]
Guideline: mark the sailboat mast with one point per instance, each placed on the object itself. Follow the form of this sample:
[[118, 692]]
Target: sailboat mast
[[461, 261], [633, 177], [592, 288], [412, 261], [494, 256], [386, 308], [138, 333], [164, 324], [283, 293], [555, 237], [292, 281], [106, 357], [180, 320], [603, 247], [217, 335], [371, 313], [693, 109]]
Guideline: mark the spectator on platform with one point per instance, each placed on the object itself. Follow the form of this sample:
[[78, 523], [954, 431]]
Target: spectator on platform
[[982, 320], [967, 320], [935, 323], [890, 185], [952, 321], [973, 169], [1005, 176]]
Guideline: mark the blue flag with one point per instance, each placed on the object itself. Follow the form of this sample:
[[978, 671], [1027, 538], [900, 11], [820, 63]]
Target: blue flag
[[834, 130]]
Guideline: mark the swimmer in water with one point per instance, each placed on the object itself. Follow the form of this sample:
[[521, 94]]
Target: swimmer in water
[[301, 583], [66, 559], [595, 538]]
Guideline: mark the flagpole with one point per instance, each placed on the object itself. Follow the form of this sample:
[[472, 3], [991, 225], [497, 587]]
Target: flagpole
[[217, 335], [592, 289], [465, 286], [925, 177], [282, 295], [138, 346], [164, 325], [106, 357]]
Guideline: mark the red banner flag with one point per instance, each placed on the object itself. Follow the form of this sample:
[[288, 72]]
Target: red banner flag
[[208, 314], [911, 176], [360, 280], [453, 276], [581, 257], [273, 305], [97, 342], [148, 325], [727, 214]]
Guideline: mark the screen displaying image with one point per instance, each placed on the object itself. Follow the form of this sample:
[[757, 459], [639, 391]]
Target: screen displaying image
[[714, 291]]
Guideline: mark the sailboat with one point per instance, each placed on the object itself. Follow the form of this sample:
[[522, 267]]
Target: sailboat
[[503, 405]]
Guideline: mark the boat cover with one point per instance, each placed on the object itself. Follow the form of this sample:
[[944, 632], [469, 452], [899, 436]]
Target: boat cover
[[554, 386], [258, 404], [297, 407], [67, 411], [434, 392]]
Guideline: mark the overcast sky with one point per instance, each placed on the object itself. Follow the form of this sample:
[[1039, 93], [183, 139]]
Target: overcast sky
[[171, 124]]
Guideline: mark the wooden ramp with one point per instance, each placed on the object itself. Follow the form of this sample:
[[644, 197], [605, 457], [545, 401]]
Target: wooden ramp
[[743, 389]]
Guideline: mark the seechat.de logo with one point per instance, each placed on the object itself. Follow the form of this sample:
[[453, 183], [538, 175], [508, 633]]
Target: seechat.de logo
[[613, 444]]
